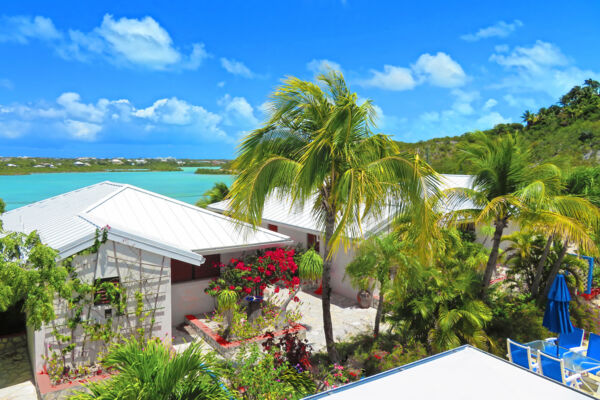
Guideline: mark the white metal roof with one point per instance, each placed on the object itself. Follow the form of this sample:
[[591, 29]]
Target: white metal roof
[[144, 219], [280, 210], [464, 373]]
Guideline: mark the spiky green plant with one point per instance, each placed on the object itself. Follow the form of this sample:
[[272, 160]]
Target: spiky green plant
[[149, 370], [310, 266], [318, 147]]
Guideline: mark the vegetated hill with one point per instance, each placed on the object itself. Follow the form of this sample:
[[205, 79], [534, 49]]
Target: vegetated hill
[[566, 133]]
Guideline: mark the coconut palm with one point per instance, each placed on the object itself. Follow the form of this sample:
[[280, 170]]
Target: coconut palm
[[381, 260], [217, 193], [150, 370], [317, 148], [501, 166], [557, 216]]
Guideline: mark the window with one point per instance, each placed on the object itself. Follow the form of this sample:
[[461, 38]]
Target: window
[[100, 296], [312, 241], [272, 227], [183, 272]]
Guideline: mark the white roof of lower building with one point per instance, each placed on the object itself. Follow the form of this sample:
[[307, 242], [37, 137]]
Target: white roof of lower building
[[281, 211], [465, 373], [141, 218]]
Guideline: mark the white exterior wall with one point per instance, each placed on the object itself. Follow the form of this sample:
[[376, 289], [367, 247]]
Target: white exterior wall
[[127, 267], [339, 284], [189, 297], [486, 240]]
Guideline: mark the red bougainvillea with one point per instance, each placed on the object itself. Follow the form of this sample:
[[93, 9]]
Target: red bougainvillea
[[250, 277]]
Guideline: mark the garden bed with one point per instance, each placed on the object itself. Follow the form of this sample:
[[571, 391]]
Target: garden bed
[[49, 391], [227, 348]]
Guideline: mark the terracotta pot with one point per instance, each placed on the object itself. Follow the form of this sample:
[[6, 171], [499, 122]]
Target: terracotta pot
[[364, 298]]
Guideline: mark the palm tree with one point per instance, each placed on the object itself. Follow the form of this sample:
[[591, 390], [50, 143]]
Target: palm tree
[[439, 304], [215, 194], [148, 370], [560, 216], [317, 147], [380, 259], [501, 166]]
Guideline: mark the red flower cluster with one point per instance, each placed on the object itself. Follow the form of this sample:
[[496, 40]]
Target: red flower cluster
[[253, 277]]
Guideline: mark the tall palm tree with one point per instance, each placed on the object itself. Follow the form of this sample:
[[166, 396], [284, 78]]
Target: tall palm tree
[[149, 370], [501, 166], [380, 260], [565, 217], [318, 147]]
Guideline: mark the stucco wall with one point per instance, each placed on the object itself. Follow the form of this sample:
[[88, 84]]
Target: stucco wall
[[189, 298], [486, 240], [137, 270]]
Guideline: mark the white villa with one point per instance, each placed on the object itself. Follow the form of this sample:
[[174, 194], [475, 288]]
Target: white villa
[[162, 247], [299, 224]]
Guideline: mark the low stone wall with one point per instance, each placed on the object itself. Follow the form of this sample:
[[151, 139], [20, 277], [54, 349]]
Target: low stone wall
[[8, 343]]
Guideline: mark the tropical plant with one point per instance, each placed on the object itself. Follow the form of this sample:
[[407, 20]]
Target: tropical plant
[[380, 260], [440, 306], [523, 255], [148, 369], [255, 375], [215, 194], [317, 147], [501, 166], [556, 216]]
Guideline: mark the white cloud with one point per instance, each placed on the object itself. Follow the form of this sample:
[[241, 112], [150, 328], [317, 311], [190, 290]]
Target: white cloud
[[392, 78], [490, 103], [129, 42], [22, 28], [238, 112], [500, 29], [71, 102], [132, 42], [440, 70], [13, 129], [82, 130], [171, 119], [322, 66], [502, 48], [236, 68], [221, 84], [437, 70], [492, 119], [542, 67]]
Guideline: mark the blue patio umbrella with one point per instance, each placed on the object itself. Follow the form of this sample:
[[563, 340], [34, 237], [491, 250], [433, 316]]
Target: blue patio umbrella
[[556, 317]]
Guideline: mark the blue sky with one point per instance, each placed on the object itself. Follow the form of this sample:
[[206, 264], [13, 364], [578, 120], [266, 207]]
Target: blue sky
[[188, 78]]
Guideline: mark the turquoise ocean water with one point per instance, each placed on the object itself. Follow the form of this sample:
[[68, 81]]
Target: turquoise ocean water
[[19, 190]]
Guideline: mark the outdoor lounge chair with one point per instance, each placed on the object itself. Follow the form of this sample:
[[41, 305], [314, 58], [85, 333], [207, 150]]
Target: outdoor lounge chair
[[554, 368], [520, 355], [572, 341], [593, 349]]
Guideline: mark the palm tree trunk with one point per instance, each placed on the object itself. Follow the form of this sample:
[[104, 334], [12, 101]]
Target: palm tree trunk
[[378, 315], [535, 287], [490, 268], [556, 267], [326, 295]]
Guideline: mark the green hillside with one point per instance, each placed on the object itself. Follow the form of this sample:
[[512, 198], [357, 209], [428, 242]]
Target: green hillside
[[567, 133]]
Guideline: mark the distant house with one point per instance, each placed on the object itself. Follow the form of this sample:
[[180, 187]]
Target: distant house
[[81, 164], [299, 223], [10, 165], [116, 161], [141, 161], [166, 249]]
